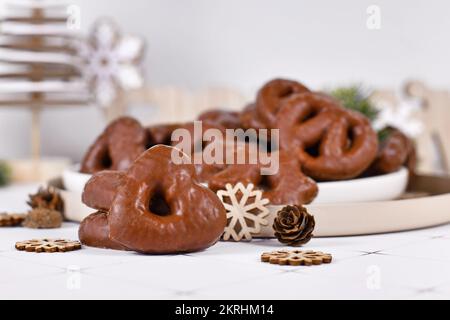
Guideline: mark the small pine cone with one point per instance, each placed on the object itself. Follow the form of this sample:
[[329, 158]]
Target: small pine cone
[[46, 198], [294, 226], [43, 219]]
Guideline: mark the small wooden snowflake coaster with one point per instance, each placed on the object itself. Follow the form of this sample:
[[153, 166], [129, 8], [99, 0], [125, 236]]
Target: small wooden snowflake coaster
[[11, 220], [246, 209], [48, 245], [297, 258]]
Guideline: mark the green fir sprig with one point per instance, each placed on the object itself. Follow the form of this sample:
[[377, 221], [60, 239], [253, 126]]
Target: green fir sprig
[[355, 98], [5, 174]]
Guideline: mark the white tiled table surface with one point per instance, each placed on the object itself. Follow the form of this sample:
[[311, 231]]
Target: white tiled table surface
[[409, 265]]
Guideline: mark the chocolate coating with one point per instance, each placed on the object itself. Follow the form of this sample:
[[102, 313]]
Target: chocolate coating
[[100, 190], [396, 151], [217, 176], [250, 119], [222, 118], [272, 96], [94, 232], [117, 147], [270, 99], [161, 134], [333, 143], [288, 186], [162, 209]]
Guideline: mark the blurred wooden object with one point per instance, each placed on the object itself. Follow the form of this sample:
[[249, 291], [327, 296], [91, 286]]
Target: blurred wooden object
[[42, 170], [112, 64], [41, 70], [179, 105], [433, 144], [436, 116]]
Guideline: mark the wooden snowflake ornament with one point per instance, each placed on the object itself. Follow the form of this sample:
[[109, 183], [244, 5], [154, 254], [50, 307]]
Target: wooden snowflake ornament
[[296, 258], [48, 245], [246, 211], [112, 62]]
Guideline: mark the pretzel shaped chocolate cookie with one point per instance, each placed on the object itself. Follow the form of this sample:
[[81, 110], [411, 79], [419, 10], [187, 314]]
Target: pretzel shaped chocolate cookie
[[270, 99], [221, 118], [287, 186], [164, 134], [290, 186], [159, 207], [117, 147], [161, 134], [239, 164], [332, 143], [396, 151]]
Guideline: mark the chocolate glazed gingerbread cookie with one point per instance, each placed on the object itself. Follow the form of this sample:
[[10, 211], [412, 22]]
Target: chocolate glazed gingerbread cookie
[[159, 207], [100, 190], [164, 134], [99, 194], [222, 118], [117, 147], [162, 208], [332, 143], [94, 232], [287, 186], [290, 186], [270, 99], [396, 151]]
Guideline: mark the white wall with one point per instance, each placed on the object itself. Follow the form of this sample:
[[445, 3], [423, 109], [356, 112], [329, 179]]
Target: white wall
[[242, 43]]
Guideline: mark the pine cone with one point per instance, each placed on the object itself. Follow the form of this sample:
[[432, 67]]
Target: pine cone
[[46, 198], [294, 226], [43, 219]]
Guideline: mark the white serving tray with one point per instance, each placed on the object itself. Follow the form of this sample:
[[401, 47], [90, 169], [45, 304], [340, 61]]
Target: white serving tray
[[348, 219]]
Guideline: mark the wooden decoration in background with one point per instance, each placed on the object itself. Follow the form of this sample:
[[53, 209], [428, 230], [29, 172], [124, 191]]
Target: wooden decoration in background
[[38, 68], [112, 65], [436, 116], [433, 144], [180, 105]]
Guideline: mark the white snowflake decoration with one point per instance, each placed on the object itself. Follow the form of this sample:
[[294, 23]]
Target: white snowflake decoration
[[111, 62], [401, 117], [246, 211]]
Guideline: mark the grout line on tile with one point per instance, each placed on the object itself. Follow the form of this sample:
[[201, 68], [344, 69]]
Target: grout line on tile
[[131, 282], [32, 262], [232, 283]]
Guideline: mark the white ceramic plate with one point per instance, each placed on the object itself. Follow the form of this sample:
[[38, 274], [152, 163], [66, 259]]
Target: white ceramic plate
[[73, 180], [74, 209], [379, 188]]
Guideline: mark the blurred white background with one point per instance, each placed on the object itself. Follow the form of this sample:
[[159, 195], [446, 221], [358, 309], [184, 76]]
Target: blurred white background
[[241, 44]]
